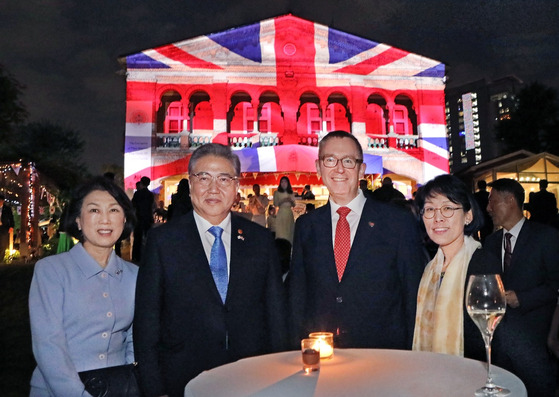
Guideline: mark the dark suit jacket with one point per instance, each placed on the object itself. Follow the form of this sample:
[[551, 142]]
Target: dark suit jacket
[[482, 262], [374, 304], [520, 340], [534, 277], [181, 327]]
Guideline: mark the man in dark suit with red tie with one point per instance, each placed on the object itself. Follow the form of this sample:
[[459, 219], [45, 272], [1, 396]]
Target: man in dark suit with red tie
[[209, 289], [529, 252], [356, 262]]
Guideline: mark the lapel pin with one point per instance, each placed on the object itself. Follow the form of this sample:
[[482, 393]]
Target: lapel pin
[[240, 235], [371, 224]]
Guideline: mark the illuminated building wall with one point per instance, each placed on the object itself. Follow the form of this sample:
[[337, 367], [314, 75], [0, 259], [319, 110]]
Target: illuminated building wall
[[282, 81]]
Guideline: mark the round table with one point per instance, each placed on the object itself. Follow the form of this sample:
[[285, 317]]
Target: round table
[[352, 372]]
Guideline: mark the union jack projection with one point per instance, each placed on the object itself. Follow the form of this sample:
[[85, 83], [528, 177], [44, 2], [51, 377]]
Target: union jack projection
[[283, 81]]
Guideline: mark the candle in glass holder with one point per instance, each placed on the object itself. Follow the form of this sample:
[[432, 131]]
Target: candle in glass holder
[[310, 355], [326, 342]]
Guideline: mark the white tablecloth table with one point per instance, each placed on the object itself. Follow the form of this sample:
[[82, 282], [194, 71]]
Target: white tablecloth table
[[352, 372]]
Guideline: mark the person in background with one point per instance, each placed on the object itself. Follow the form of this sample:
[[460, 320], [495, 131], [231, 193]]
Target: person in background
[[356, 262], [257, 206], [307, 193], [209, 289], [81, 302], [271, 220], [160, 213], [6, 225], [543, 205], [482, 198], [529, 255], [144, 203], [284, 200], [364, 186], [451, 216], [180, 201], [238, 205], [387, 193]]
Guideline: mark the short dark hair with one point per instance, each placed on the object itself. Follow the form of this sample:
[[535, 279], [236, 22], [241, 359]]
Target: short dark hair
[[218, 150], [340, 134], [457, 192], [145, 181], [481, 184], [543, 183], [105, 185], [507, 185]]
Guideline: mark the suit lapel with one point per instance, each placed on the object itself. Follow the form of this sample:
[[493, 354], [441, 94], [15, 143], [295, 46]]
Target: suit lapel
[[193, 252], [322, 229], [237, 263], [363, 237]]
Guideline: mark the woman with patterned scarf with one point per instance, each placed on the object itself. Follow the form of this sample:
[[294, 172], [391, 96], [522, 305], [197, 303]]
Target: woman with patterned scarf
[[450, 215]]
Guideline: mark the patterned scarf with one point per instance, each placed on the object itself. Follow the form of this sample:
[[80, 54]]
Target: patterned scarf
[[439, 321]]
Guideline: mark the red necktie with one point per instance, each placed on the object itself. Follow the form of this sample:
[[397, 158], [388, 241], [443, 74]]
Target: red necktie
[[508, 251], [342, 241]]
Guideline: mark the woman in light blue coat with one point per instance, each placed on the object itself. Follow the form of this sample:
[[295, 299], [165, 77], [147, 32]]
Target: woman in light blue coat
[[81, 302]]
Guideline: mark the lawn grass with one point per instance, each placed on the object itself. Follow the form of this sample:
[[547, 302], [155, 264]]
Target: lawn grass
[[16, 356]]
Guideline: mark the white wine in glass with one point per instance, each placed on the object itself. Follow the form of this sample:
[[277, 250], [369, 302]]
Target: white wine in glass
[[486, 304]]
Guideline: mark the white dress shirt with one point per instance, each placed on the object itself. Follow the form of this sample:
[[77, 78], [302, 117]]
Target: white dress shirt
[[356, 206], [208, 238], [515, 231]]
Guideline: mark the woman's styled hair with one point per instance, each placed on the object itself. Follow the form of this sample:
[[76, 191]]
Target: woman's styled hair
[[289, 189], [456, 191], [103, 184]]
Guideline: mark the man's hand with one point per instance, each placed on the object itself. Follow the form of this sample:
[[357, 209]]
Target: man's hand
[[512, 299]]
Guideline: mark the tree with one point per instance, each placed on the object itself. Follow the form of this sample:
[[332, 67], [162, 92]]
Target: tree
[[12, 111], [55, 150], [534, 124]]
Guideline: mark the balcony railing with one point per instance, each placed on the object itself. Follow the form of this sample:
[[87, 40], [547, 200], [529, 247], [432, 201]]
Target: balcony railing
[[392, 141], [172, 141], [184, 140]]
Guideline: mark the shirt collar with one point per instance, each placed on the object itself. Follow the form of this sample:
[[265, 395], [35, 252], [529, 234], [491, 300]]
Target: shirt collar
[[515, 230], [203, 225], [90, 267], [355, 205]]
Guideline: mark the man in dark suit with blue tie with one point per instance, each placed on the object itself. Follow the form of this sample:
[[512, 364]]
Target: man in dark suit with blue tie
[[356, 262], [209, 289], [529, 252]]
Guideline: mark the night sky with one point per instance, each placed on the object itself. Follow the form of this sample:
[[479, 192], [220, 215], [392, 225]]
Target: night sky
[[65, 51]]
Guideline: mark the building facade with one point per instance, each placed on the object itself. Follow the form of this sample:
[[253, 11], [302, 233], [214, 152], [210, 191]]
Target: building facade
[[285, 82], [472, 110]]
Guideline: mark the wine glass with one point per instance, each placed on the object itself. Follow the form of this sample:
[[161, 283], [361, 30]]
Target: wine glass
[[486, 305]]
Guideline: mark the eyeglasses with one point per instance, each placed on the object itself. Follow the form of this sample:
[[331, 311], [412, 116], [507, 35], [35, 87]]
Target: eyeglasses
[[222, 180], [347, 162], [446, 211]]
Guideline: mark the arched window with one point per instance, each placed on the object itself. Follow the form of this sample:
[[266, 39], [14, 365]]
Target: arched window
[[176, 120], [404, 118], [271, 119], [175, 123], [336, 118], [376, 118], [243, 118]]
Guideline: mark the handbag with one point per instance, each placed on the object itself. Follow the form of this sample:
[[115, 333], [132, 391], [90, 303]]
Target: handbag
[[118, 381]]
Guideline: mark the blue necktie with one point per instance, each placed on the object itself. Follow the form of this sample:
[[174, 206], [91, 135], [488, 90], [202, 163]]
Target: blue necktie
[[218, 262]]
